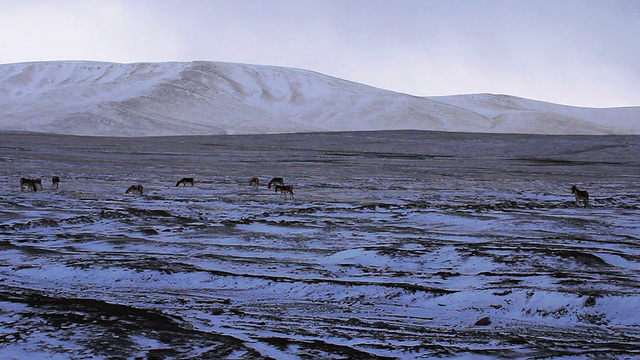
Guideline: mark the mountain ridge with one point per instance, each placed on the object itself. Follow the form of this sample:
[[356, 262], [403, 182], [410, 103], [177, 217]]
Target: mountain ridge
[[212, 98]]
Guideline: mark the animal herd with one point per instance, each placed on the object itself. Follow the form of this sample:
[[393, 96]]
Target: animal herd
[[34, 184], [276, 182], [278, 185], [581, 196]]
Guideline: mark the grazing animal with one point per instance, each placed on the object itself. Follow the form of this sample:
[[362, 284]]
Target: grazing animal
[[55, 182], [581, 195], [37, 182], [185, 181], [30, 184], [284, 190], [137, 188], [276, 181], [255, 182]]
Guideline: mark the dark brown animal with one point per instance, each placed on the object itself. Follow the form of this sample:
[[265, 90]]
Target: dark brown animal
[[38, 182], [185, 181], [276, 181], [581, 195], [284, 190], [31, 184], [55, 182], [135, 188], [255, 182]]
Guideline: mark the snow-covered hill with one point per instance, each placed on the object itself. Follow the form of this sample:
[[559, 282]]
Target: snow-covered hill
[[147, 99]]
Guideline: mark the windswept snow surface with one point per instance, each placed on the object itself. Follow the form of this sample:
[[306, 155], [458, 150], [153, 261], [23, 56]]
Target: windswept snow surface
[[397, 245], [203, 98]]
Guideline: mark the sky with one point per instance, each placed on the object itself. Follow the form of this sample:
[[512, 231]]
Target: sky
[[572, 52]]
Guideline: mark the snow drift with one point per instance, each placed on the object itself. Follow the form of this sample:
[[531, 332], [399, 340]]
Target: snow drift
[[206, 98]]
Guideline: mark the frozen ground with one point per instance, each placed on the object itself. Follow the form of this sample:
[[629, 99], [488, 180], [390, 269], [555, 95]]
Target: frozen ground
[[397, 245]]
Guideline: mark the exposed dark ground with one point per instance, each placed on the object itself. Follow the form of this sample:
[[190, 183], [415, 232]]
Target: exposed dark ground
[[395, 246]]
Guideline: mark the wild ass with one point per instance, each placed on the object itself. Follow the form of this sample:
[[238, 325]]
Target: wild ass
[[185, 181], [31, 184], [276, 181], [55, 182], [135, 188], [255, 182], [284, 190], [581, 195]]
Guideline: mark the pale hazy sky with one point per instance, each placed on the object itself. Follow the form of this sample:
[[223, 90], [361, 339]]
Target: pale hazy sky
[[574, 52]]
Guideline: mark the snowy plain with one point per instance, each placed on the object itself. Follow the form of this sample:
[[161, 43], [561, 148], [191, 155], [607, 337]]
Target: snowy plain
[[208, 98], [398, 244]]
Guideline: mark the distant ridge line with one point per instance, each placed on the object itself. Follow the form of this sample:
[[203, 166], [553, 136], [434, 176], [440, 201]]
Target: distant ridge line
[[218, 98]]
